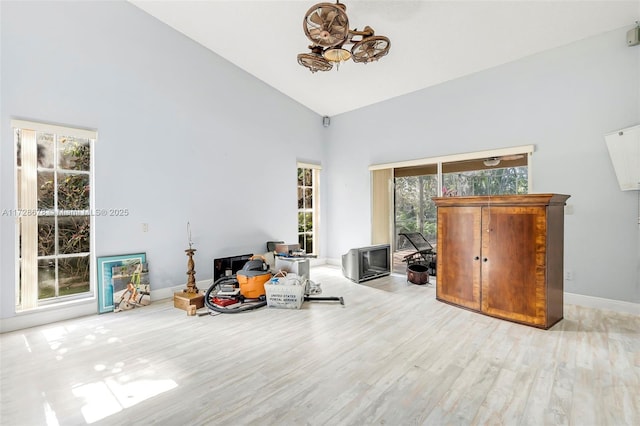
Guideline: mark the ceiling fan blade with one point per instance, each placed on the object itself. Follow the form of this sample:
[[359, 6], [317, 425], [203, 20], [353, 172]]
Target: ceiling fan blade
[[316, 19], [359, 53], [314, 32], [330, 15]]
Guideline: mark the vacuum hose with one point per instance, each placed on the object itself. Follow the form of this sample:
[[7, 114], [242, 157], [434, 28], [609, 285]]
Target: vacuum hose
[[242, 308]]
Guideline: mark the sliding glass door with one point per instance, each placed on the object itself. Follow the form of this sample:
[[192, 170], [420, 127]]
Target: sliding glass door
[[414, 187]]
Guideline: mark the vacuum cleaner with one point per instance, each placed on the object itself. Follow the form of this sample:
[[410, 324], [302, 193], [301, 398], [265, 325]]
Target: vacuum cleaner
[[241, 292]]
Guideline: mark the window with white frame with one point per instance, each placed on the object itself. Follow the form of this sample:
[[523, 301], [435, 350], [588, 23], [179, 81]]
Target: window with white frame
[[308, 207], [54, 178], [410, 185]]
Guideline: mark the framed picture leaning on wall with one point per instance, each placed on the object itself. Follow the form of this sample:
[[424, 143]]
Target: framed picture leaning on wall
[[105, 267]]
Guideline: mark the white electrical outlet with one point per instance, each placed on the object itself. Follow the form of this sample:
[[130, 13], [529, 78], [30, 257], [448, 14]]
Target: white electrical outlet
[[568, 274], [145, 227]]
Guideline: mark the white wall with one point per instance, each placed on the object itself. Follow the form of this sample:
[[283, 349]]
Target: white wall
[[563, 101], [183, 135]]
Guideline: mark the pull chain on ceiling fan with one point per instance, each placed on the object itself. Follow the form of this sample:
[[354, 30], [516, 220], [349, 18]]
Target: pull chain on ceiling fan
[[326, 25]]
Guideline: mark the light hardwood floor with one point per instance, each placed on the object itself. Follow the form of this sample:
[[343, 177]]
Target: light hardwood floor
[[393, 355]]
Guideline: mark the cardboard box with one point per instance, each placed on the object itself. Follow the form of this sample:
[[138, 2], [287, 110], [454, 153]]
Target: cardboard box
[[284, 296], [183, 300], [299, 267], [287, 248]]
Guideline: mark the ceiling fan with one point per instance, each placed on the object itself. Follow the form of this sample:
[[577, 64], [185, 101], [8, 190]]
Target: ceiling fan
[[494, 161], [326, 25]]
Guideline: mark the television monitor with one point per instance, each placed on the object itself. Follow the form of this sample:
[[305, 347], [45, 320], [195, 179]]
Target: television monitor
[[367, 263], [229, 265]]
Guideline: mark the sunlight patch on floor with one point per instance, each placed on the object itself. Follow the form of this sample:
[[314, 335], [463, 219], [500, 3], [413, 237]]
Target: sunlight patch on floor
[[104, 398], [49, 414]]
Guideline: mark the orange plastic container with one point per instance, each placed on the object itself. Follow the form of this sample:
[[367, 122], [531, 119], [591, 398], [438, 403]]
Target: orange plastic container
[[252, 283]]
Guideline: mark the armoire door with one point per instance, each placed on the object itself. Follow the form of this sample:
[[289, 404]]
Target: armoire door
[[514, 263], [458, 258]]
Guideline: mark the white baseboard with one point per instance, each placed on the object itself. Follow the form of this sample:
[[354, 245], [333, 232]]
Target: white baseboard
[[167, 293], [602, 303], [317, 262], [334, 262], [48, 315]]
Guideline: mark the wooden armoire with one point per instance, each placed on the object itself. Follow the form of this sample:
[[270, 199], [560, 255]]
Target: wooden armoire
[[503, 256]]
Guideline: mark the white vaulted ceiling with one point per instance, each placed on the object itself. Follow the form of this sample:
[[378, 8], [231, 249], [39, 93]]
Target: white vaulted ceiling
[[431, 41]]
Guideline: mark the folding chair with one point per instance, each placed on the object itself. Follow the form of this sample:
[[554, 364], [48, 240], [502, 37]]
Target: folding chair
[[424, 254]]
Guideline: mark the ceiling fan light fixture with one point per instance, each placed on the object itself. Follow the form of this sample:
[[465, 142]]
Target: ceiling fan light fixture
[[326, 25], [337, 54]]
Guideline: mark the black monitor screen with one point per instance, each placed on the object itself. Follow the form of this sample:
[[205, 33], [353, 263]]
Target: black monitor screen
[[232, 264], [376, 259]]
